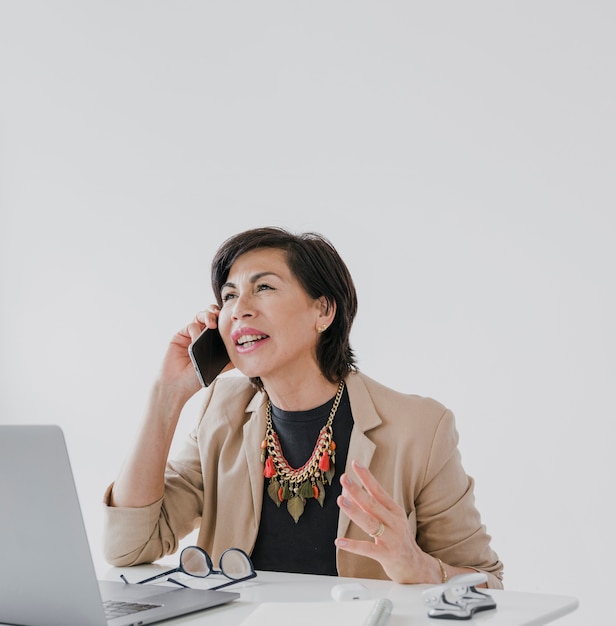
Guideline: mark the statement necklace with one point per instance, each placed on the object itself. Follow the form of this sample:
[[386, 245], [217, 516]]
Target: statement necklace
[[308, 481]]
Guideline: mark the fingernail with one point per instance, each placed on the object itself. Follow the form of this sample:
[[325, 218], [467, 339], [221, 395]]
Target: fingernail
[[342, 543]]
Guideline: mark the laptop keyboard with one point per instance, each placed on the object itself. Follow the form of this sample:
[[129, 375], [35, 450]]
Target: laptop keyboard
[[113, 608]]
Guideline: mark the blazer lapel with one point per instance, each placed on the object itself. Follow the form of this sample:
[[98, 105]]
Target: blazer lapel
[[254, 431], [361, 448]]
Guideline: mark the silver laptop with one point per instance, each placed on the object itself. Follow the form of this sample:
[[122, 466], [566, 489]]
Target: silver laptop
[[47, 577]]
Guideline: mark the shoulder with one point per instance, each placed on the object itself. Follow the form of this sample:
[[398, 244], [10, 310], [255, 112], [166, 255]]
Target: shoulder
[[389, 402], [387, 414], [422, 426]]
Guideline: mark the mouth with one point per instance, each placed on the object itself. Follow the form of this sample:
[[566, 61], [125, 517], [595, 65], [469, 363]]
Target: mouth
[[246, 341]]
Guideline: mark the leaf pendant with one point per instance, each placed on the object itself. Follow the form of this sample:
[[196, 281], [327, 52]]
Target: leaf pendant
[[272, 491], [305, 490], [329, 474], [295, 506]]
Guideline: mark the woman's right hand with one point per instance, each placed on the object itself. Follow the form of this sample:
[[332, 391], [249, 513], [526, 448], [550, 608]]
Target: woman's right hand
[[177, 368]]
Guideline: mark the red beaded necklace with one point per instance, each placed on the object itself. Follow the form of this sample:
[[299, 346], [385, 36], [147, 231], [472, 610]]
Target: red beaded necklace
[[296, 485]]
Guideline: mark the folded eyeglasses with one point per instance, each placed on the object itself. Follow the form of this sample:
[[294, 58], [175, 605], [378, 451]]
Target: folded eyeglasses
[[234, 563]]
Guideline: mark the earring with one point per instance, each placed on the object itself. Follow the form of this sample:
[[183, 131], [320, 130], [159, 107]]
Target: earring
[[322, 328]]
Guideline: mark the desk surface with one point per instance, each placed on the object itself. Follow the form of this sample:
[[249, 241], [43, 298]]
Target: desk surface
[[513, 608]]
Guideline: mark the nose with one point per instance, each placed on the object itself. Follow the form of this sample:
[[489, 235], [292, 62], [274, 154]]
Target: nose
[[242, 307]]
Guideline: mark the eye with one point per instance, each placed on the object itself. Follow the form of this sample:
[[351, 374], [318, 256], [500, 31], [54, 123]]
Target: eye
[[263, 287], [225, 297]]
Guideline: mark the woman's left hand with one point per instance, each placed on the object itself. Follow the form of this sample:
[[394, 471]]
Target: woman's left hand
[[392, 544]]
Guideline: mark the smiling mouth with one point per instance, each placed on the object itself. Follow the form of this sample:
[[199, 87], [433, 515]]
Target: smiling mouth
[[246, 341]]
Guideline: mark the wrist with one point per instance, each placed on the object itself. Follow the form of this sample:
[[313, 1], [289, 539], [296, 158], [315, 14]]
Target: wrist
[[167, 400], [173, 392], [442, 574]]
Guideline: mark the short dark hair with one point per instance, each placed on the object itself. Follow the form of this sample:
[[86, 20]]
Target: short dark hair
[[315, 262]]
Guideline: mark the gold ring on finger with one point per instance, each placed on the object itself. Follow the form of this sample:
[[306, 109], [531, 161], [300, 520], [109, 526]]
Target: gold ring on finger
[[380, 530]]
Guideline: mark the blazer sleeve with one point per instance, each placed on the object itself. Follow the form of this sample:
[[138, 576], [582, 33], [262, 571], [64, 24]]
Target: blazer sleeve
[[145, 534], [449, 525]]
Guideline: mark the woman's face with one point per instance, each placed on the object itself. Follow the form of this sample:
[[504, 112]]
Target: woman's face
[[268, 321]]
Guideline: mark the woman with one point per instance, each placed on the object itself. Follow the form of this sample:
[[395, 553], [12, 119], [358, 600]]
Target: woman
[[304, 462]]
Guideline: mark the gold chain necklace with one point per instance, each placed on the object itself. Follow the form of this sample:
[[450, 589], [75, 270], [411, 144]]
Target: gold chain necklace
[[296, 485]]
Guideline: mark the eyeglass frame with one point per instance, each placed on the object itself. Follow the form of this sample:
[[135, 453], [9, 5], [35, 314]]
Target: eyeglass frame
[[209, 563]]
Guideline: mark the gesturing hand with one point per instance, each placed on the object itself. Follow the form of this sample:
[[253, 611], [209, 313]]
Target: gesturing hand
[[392, 544]]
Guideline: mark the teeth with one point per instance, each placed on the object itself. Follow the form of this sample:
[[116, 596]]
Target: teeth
[[249, 339]]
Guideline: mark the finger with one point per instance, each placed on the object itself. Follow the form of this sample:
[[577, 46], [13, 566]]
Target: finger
[[374, 488], [371, 518], [362, 548], [358, 496], [375, 502], [369, 495], [194, 329], [209, 316]]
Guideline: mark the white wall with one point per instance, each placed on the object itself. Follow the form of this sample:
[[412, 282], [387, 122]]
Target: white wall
[[459, 154]]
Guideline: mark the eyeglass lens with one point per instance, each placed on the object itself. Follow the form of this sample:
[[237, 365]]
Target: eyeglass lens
[[195, 562], [234, 563]]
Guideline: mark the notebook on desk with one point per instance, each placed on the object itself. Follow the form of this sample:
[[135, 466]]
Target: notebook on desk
[[47, 576]]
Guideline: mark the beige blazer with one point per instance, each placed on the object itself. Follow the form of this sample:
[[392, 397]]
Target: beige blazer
[[216, 483]]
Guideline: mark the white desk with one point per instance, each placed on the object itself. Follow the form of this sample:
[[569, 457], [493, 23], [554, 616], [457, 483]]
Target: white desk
[[513, 608]]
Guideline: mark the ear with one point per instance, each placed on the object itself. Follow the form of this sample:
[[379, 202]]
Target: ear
[[326, 313]]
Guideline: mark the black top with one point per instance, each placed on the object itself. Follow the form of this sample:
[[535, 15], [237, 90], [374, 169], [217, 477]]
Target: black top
[[308, 546]]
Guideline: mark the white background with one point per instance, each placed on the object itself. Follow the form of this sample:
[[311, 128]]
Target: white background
[[460, 155]]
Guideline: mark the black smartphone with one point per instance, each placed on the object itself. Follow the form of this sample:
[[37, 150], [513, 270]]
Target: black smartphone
[[209, 355]]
